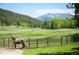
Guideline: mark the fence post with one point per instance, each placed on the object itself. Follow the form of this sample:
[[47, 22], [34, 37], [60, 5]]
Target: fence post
[[61, 40], [3, 42], [12, 46], [8, 43], [66, 39], [47, 42], [37, 43], [29, 42]]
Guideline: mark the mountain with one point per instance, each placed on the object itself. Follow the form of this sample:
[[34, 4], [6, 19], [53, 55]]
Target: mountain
[[11, 18], [50, 16]]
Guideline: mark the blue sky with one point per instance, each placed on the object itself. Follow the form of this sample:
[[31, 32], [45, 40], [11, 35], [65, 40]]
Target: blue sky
[[35, 9]]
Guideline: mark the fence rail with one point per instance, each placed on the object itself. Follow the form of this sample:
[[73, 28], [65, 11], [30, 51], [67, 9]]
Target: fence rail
[[37, 43]]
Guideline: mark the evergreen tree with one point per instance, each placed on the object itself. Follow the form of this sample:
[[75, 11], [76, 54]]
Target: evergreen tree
[[76, 7]]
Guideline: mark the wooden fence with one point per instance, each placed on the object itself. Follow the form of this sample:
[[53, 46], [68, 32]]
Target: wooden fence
[[39, 42], [47, 42]]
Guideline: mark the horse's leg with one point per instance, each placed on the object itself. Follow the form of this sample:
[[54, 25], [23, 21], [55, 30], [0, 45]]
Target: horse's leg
[[15, 45], [23, 45]]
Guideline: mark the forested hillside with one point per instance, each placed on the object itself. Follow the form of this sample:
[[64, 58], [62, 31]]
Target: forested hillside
[[11, 18]]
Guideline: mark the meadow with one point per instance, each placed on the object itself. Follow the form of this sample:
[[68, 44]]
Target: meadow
[[38, 33], [24, 32], [70, 49]]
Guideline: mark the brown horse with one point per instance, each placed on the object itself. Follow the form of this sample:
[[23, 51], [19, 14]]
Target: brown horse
[[19, 41]]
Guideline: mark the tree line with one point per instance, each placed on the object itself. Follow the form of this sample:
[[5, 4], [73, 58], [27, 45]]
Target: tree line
[[58, 23]]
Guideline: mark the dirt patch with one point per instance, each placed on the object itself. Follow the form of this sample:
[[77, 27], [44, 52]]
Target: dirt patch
[[8, 51]]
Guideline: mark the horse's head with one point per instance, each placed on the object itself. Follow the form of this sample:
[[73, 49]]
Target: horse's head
[[13, 38]]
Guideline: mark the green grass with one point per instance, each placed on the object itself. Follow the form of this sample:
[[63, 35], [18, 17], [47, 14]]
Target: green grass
[[40, 34], [65, 49], [7, 31]]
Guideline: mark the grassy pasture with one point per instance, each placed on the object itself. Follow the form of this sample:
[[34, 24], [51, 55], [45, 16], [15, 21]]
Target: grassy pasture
[[40, 34], [7, 31], [54, 50]]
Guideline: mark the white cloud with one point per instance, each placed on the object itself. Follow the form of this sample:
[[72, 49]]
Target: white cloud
[[71, 11], [45, 11]]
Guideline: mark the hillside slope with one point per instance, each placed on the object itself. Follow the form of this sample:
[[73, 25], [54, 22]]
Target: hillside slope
[[11, 18]]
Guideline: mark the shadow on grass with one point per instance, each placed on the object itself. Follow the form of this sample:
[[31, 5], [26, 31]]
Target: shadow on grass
[[61, 53], [74, 51], [75, 37]]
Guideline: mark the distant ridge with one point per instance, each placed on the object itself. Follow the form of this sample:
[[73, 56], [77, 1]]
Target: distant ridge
[[50, 16]]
